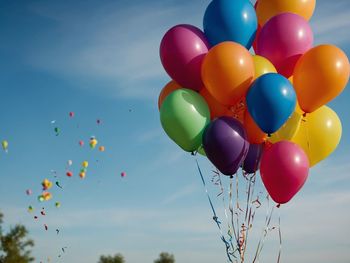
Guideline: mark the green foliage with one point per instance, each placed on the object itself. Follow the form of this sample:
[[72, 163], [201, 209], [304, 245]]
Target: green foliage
[[14, 245], [118, 258], [165, 258]]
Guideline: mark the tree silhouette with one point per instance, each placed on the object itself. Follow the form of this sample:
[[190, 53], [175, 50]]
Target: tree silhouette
[[14, 246], [165, 258], [118, 258]]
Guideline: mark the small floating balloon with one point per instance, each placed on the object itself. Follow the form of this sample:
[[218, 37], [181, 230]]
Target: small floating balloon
[[93, 142], [123, 174], [57, 204], [46, 184], [69, 162], [81, 143], [5, 145], [85, 164], [30, 209], [101, 148], [29, 191], [69, 174], [57, 131], [41, 198], [71, 114], [98, 121], [47, 196], [82, 175]]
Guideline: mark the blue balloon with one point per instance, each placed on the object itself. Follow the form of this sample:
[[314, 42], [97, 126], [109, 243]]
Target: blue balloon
[[230, 20], [271, 100]]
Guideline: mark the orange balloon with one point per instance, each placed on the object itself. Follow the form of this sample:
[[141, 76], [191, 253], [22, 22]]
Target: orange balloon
[[216, 109], [169, 88], [269, 8], [254, 133], [227, 72], [320, 75]]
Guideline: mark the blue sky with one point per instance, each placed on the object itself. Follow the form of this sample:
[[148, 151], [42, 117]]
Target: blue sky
[[100, 59]]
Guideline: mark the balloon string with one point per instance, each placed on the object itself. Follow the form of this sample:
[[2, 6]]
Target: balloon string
[[215, 218], [231, 209], [280, 236], [265, 230], [307, 135]]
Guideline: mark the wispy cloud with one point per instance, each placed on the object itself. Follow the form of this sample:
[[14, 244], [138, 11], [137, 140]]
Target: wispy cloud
[[181, 193]]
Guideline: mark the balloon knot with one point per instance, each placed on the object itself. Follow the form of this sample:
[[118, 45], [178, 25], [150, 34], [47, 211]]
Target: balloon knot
[[278, 206], [269, 135]]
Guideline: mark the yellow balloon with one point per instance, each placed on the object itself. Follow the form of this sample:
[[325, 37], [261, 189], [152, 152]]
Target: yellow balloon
[[319, 134], [288, 130], [85, 164], [262, 66], [269, 8]]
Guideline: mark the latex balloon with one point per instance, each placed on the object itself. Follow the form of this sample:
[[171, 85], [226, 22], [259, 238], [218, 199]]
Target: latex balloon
[[184, 115], [201, 151], [82, 175], [254, 134], [216, 109], [267, 9], [182, 51], [262, 66], [288, 130], [319, 135], [227, 72], [322, 71], [227, 20], [271, 101], [251, 163], [284, 169], [4, 145], [283, 40], [69, 174], [225, 144], [85, 164], [170, 87]]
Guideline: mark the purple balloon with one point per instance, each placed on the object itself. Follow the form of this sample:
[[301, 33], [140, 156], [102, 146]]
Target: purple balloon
[[225, 143], [283, 40], [182, 51], [252, 161]]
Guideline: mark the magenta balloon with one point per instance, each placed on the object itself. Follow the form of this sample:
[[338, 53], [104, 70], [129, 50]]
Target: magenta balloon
[[182, 51], [284, 169], [283, 39]]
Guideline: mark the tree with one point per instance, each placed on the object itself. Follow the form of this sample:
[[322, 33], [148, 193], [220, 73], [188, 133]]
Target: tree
[[118, 258], [14, 246], [165, 258]]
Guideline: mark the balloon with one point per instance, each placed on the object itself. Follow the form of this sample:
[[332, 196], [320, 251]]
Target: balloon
[[227, 72], [322, 71], [123, 174], [252, 161], [69, 174], [319, 135], [271, 100], [46, 184], [101, 148], [284, 169], [82, 175], [5, 145], [201, 151], [255, 43], [85, 164], [262, 66], [227, 20], [288, 130], [182, 51], [267, 9], [170, 87], [216, 109], [254, 134], [71, 114], [184, 115], [81, 143], [70, 162], [225, 144], [283, 39], [58, 204], [93, 142]]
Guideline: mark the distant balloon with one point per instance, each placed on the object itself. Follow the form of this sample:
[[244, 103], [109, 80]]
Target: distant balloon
[[82, 175], [71, 114], [46, 184], [30, 209], [57, 131], [93, 142], [81, 143], [5, 145], [123, 174], [58, 204], [29, 191], [101, 148], [69, 174], [69, 162], [85, 164]]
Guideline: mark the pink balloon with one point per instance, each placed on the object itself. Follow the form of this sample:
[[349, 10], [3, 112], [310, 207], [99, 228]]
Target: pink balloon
[[283, 40], [182, 51], [284, 169]]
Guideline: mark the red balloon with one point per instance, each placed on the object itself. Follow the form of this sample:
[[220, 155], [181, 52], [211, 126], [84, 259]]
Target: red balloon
[[284, 169], [182, 51]]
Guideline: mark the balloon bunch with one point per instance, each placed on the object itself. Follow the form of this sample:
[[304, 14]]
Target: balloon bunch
[[228, 104]]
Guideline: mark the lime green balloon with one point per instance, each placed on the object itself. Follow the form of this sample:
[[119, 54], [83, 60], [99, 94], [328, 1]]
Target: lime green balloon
[[184, 115], [201, 151]]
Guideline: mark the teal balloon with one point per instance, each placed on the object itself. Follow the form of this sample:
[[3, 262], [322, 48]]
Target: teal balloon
[[184, 115]]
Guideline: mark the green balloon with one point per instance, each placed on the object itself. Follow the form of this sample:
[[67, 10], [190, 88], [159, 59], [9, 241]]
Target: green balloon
[[201, 151], [184, 115]]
